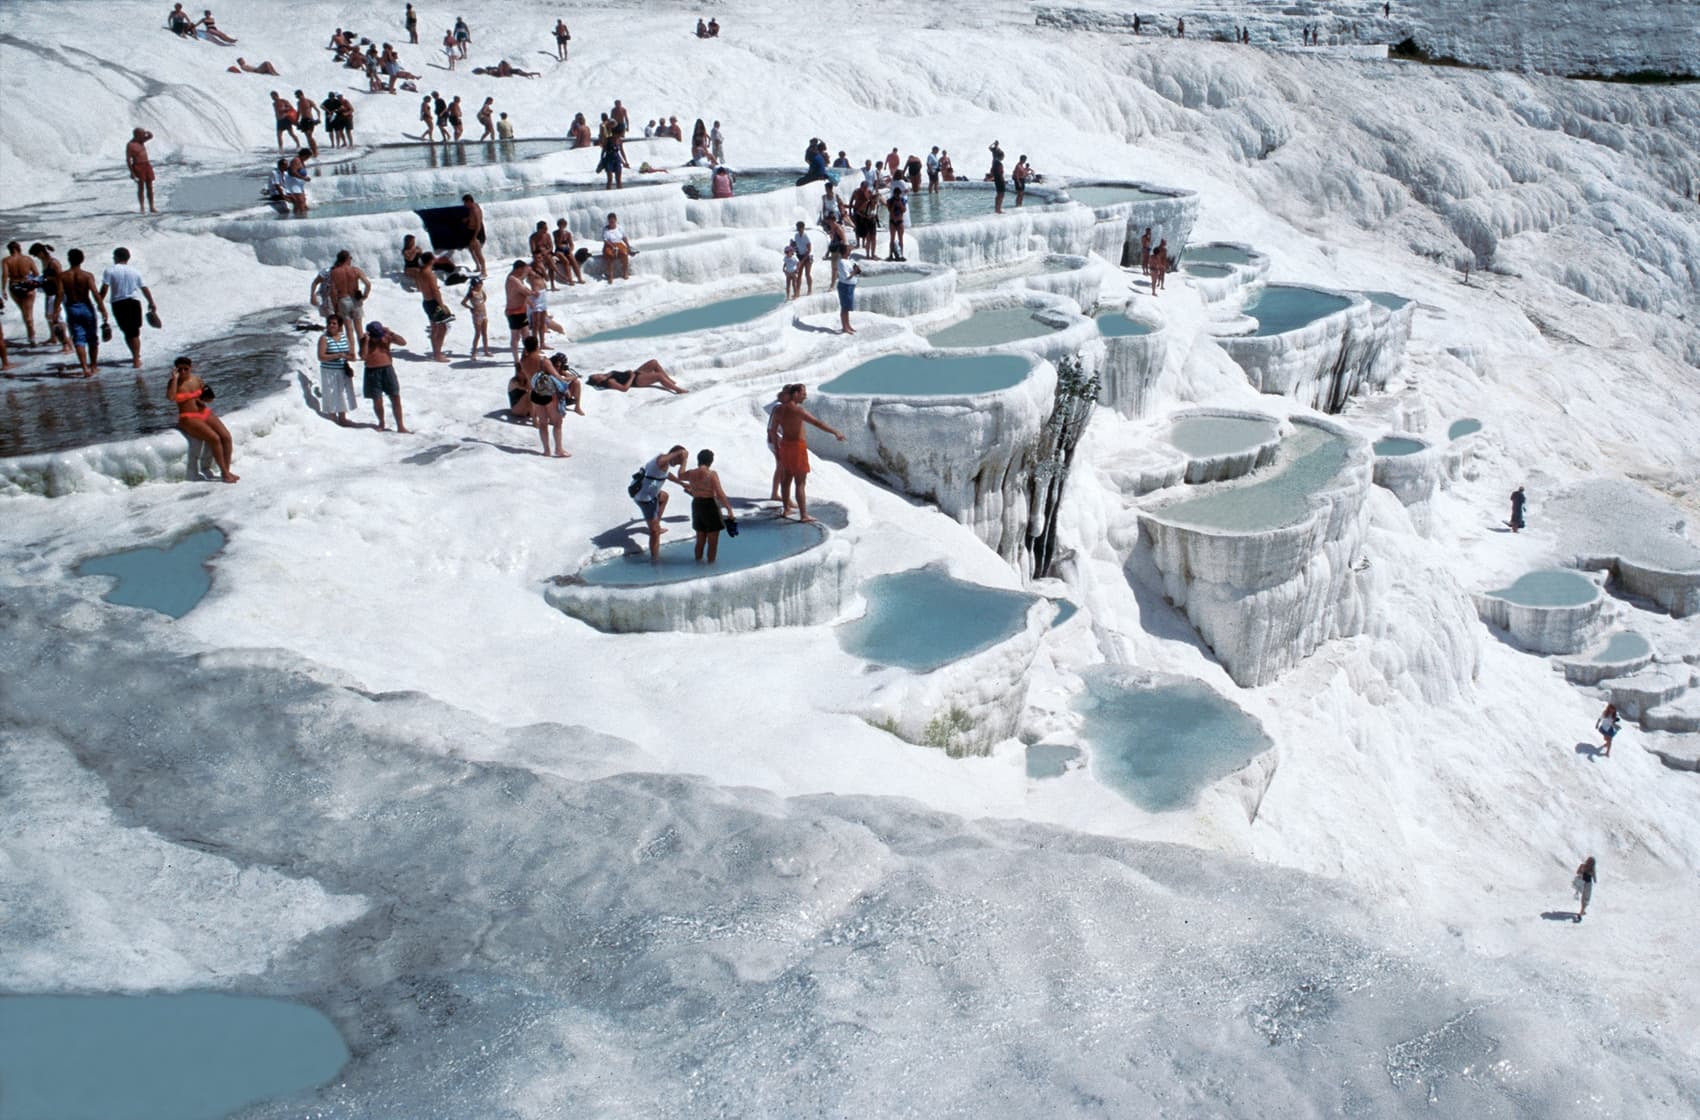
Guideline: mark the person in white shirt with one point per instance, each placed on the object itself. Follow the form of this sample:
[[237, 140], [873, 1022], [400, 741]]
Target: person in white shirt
[[831, 209], [805, 250], [847, 271], [717, 143], [616, 250], [933, 170], [122, 284], [869, 175]]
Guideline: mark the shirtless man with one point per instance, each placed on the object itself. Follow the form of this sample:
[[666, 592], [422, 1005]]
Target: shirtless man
[[542, 253], [79, 294], [307, 116], [1159, 266], [487, 118], [381, 380], [789, 419], [136, 158], [517, 289], [349, 289], [21, 274], [284, 113], [562, 38], [621, 117], [475, 232], [864, 211], [431, 299], [455, 115]]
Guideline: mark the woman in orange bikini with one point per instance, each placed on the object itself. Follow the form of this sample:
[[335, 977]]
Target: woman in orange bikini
[[195, 417]]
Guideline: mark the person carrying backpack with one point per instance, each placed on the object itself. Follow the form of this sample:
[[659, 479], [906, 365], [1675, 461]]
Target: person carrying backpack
[[548, 391], [647, 489]]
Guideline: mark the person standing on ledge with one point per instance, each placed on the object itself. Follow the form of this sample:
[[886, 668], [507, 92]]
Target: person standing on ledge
[[81, 299], [996, 176], [1517, 502], [141, 170], [475, 232], [648, 490], [789, 418], [708, 499], [846, 272], [411, 22], [1584, 885], [562, 38]]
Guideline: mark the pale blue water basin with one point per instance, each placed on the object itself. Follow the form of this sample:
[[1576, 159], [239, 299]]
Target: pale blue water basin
[[1391, 447], [992, 328], [923, 619], [757, 182], [1390, 300], [723, 313], [171, 580], [1066, 609], [1206, 436], [423, 156], [919, 375], [759, 541], [948, 205], [888, 279], [1465, 427], [1159, 742], [1206, 271], [1218, 254], [1113, 324], [1049, 760], [1109, 195], [1550, 587], [1624, 645], [1284, 307], [1271, 498], [186, 1057]]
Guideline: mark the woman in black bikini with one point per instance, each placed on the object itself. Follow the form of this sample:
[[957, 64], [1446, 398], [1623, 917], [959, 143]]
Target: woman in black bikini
[[650, 375]]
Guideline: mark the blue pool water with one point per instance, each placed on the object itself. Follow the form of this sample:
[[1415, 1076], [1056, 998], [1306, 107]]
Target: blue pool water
[[756, 182], [1113, 324], [1284, 307], [724, 313], [924, 619], [760, 540], [1624, 645], [1218, 254], [421, 156], [950, 204], [1390, 300], [1109, 194], [185, 1057], [1271, 498], [170, 580], [1206, 436], [1393, 446], [1158, 742], [992, 328], [1551, 587], [1049, 760], [1206, 271], [888, 279], [1462, 428], [919, 375], [1066, 609]]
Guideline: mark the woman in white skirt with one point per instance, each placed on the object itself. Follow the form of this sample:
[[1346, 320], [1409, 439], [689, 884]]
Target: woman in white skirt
[[336, 377]]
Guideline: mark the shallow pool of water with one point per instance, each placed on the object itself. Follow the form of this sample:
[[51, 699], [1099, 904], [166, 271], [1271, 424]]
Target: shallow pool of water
[[1218, 254], [1462, 428], [146, 1057], [1624, 645], [950, 204], [1160, 741], [1550, 587], [755, 182], [1390, 447], [1205, 436], [422, 156], [1284, 307], [992, 328], [170, 580], [1390, 300], [920, 375], [1109, 194], [1271, 498], [760, 540], [924, 619], [888, 279], [49, 411], [1205, 270], [710, 316], [1066, 609], [1113, 324], [1049, 760]]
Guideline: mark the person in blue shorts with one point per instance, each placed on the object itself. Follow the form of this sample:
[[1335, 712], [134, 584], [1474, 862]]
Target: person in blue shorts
[[79, 294]]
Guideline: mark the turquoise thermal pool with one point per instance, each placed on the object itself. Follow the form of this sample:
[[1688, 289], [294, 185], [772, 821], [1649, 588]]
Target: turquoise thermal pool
[[1217, 254], [992, 328], [756, 182], [1159, 743], [1389, 447], [923, 619], [918, 375], [949, 204], [1202, 437], [1624, 645], [1390, 300], [196, 1056], [1271, 498], [1284, 307], [171, 580], [1206, 271], [1110, 195], [1550, 587], [724, 313], [1113, 324], [760, 540], [1462, 428], [888, 279], [1049, 760]]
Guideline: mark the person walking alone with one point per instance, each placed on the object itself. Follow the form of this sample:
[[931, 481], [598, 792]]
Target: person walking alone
[[1584, 885]]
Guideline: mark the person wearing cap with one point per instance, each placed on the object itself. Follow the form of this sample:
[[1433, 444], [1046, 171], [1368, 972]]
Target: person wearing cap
[[380, 372]]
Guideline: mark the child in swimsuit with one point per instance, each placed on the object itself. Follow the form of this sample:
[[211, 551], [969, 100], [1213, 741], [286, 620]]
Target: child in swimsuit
[[474, 301]]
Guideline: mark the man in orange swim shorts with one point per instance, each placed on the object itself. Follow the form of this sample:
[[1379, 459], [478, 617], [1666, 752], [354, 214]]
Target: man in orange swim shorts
[[789, 418]]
